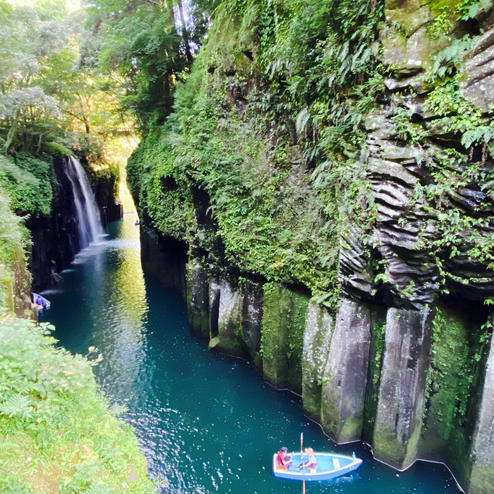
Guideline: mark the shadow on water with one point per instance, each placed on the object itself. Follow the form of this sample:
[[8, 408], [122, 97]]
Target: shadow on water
[[206, 423]]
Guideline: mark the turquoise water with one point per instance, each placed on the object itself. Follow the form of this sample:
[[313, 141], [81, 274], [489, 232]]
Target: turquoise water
[[206, 423]]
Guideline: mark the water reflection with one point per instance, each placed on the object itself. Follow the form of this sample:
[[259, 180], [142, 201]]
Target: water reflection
[[206, 423]]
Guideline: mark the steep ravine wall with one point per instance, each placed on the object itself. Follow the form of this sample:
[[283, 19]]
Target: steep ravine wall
[[376, 316], [368, 372]]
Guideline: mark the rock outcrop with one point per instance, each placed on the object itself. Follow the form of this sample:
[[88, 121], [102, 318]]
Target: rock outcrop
[[482, 452], [401, 358], [402, 389], [345, 373]]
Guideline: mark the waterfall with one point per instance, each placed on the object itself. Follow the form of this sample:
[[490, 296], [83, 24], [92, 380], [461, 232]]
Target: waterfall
[[88, 217]]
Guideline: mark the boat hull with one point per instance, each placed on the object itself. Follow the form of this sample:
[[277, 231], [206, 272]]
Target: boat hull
[[45, 303], [329, 466]]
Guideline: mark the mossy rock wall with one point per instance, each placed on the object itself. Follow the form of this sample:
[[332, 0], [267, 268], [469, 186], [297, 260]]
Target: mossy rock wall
[[482, 452], [283, 323], [226, 302], [318, 331], [453, 398], [376, 353], [329, 146], [197, 289], [402, 389]]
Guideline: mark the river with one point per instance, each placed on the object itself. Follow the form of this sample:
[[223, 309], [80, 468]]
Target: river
[[206, 423]]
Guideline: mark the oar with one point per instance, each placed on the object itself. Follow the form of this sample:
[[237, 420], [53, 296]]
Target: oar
[[301, 451]]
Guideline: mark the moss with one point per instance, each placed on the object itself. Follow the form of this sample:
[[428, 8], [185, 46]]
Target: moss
[[457, 355], [230, 322], [159, 193], [230, 36], [330, 414], [29, 184], [446, 393], [198, 319], [319, 329], [197, 285], [15, 281], [56, 149], [351, 428], [412, 446], [387, 448], [481, 479], [228, 344], [283, 324]]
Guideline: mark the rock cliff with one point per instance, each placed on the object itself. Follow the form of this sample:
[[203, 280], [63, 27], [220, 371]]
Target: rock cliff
[[332, 184]]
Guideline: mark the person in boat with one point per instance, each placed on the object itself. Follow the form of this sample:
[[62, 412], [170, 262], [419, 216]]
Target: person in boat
[[310, 460], [283, 459], [40, 303]]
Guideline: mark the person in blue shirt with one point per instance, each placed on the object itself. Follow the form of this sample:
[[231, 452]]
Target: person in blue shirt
[[310, 460]]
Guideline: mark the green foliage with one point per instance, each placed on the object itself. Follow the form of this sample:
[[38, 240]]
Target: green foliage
[[13, 243], [451, 171], [149, 45], [445, 13], [458, 357], [154, 183], [279, 160], [29, 184], [56, 431], [50, 100], [27, 112]]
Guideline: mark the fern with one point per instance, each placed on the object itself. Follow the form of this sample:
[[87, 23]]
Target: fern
[[302, 119], [17, 406]]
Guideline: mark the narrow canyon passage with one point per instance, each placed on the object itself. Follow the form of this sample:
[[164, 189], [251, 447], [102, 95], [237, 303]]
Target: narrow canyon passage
[[206, 423]]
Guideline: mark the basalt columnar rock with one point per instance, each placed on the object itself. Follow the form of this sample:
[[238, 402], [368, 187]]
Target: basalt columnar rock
[[402, 389], [391, 347], [345, 374], [318, 332], [482, 452]]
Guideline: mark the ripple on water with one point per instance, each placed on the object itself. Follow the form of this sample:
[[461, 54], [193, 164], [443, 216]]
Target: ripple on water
[[206, 423]]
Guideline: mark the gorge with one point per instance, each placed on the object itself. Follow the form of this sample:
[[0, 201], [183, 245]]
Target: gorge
[[354, 273], [314, 180]]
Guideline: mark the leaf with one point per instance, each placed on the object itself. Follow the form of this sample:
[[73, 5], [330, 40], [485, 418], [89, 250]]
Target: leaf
[[302, 118], [17, 405]]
